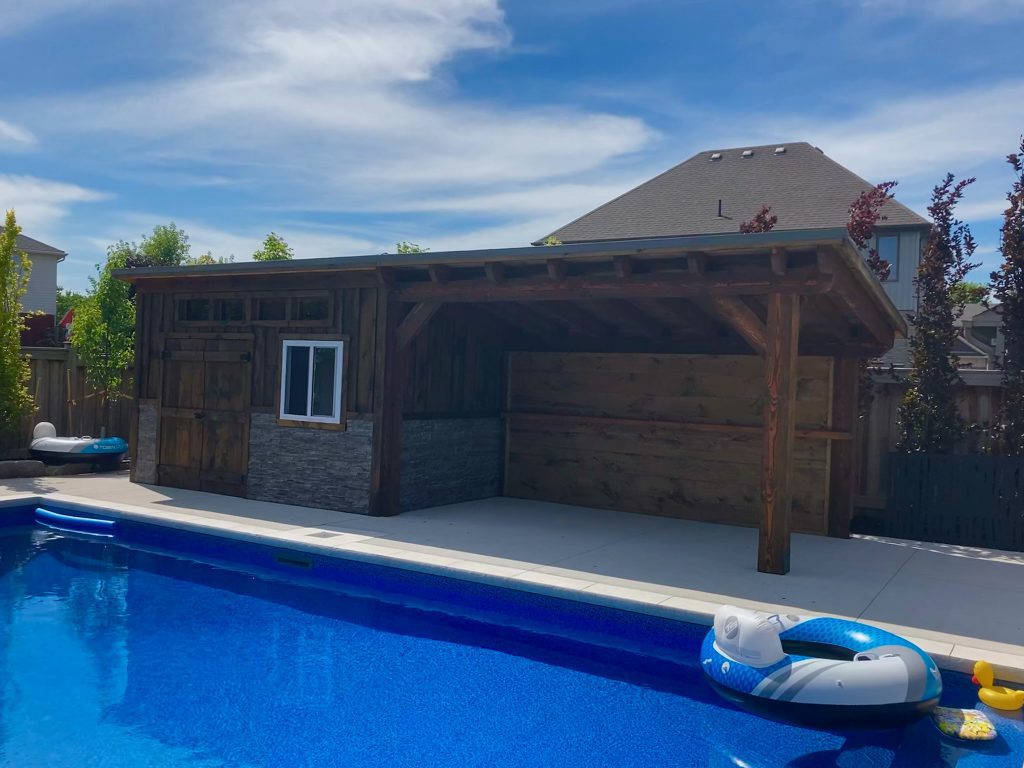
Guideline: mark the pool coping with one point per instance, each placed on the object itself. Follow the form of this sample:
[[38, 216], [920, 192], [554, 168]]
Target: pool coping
[[954, 653]]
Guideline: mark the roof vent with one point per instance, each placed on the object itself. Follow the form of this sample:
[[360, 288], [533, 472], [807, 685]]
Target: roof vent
[[748, 153], [716, 155], [780, 150]]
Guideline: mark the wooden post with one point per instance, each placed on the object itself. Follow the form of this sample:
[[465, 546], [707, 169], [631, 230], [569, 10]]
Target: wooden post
[[779, 432], [842, 463], [388, 402]]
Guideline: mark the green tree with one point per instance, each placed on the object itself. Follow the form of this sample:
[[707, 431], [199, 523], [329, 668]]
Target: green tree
[[407, 247], [15, 400], [1008, 289], [928, 415], [274, 249], [104, 329], [966, 292], [67, 300], [167, 246], [207, 258]]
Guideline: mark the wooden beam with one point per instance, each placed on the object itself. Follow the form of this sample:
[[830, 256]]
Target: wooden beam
[[778, 261], [842, 459], [385, 276], [742, 319], [495, 271], [625, 313], [697, 263], [415, 322], [685, 426], [574, 317], [390, 371], [439, 273], [623, 266], [779, 433], [737, 282], [847, 292], [557, 269]]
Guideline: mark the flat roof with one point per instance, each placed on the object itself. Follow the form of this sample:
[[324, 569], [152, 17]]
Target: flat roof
[[731, 241]]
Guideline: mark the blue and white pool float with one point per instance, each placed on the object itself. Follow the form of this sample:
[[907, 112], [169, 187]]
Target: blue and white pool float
[[46, 446], [820, 671]]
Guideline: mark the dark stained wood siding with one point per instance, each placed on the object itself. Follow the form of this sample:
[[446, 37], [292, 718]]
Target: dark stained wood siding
[[353, 314], [620, 451], [456, 367]]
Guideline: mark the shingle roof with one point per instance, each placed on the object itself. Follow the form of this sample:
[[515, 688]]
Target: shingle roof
[[31, 245], [805, 188]]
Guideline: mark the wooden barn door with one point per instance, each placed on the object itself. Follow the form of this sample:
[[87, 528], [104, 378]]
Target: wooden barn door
[[204, 414]]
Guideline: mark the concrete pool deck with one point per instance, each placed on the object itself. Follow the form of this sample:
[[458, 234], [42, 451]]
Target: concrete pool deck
[[958, 603]]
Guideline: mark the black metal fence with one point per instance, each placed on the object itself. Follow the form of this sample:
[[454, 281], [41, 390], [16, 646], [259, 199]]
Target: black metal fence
[[973, 500]]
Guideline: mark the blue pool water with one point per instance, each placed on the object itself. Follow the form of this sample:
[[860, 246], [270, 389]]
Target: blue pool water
[[114, 655]]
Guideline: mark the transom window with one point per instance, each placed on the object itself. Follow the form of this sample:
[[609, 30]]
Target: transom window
[[311, 381], [889, 250]]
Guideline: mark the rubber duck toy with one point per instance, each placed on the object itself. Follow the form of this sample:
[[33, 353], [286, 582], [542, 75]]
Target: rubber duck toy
[[996, 696]]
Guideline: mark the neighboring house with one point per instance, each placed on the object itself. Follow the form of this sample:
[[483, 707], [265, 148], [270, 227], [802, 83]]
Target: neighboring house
[[40, 301], [717, 190], [978, 345]]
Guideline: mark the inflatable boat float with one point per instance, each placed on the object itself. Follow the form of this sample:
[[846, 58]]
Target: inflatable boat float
[[818, 671], [47, 447]]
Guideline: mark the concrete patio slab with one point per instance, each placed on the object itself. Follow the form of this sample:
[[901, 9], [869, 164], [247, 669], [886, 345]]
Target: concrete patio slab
[[959, 603]]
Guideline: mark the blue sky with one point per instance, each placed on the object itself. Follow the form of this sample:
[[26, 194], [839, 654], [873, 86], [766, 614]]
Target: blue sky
[[347, 125]]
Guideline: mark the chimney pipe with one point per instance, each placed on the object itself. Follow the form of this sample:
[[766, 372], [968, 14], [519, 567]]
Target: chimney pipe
[[719, 207]]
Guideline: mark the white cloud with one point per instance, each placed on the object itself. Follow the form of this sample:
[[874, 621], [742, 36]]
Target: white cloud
[[978, 11], [346, 100], [11, 133], [41, 203], [915, 137]]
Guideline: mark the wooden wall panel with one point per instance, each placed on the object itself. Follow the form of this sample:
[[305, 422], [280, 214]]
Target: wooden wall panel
[[456, 367], [657, 468]]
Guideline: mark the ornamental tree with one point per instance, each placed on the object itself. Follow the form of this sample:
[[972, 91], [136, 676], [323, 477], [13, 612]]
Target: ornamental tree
[[928, 415], [763, 221], [104, 330], [865, 213], [274, 249], [1008, 290], [15, 399]]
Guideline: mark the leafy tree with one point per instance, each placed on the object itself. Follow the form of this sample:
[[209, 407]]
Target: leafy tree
[[763, 221], [966, 292], [929, 420], [865, 213], [167, 247], [274, 249], [67, 300], [1008, 289], [15, 400], [207, 258], [104, 329], [407, 247], [551, 240]]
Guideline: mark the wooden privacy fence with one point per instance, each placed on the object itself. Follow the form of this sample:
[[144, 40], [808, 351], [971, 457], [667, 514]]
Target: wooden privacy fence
[[878, 433], [63, 397], [973, 500]]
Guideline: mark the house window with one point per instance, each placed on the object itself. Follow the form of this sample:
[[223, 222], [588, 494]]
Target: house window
[[194, 310], [889, 250], [311, 381]]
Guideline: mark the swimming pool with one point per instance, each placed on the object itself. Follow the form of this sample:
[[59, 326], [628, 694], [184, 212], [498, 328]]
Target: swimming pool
[[166, 647]]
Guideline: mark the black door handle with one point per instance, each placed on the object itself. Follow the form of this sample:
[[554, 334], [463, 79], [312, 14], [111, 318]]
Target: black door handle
[[199, 415]]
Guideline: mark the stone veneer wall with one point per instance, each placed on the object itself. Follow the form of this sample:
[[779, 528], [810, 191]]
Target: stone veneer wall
[[445, 461], [145, 452], [310, 467]]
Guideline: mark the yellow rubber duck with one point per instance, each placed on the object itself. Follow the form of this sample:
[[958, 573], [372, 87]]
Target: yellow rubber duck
[[996, 696]]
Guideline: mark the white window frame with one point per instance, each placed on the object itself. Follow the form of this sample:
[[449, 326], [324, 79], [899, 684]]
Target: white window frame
[[339, 351]]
